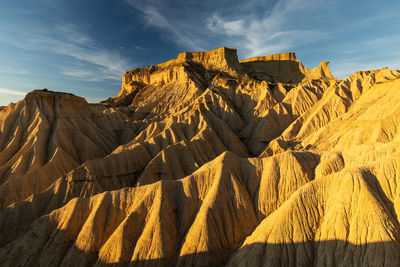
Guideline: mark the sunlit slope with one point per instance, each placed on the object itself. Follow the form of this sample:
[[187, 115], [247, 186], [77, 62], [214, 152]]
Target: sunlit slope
[[344, 219], [195, 220], [206, 160], [49, 134]]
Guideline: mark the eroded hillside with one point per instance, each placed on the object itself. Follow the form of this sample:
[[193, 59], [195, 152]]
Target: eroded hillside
[[206, 160]]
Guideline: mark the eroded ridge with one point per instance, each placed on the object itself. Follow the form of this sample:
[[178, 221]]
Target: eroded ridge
[[206, 160]]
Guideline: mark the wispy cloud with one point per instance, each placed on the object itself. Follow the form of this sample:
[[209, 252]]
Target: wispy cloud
[[11, 70], [69, 42], [253, 34], [345, 67], [159, 15], [11, 92], [89, 75], [90, 59], [272, 32], [365, 54], [216, 24]]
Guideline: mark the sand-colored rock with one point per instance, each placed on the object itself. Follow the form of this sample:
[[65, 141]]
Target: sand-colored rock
[[206, 160], [49, 134], [284, 68]]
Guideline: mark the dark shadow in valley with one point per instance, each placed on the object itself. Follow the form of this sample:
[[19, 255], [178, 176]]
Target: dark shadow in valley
[[309, 253]]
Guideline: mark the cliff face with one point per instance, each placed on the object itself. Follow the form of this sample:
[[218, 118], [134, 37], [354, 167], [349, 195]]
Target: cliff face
[[284, 68], [205, 161], [220, 59]]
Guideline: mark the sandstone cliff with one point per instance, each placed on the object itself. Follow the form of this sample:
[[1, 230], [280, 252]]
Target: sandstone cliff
[[206, 160]]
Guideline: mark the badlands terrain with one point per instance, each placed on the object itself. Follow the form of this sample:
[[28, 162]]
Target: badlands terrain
[[206, 160]]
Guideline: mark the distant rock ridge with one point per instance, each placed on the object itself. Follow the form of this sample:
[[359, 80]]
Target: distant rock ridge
[[276, 68], [226, 59]]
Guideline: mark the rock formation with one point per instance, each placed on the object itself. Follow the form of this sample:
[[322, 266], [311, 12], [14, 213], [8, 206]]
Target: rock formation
[[206, 160]]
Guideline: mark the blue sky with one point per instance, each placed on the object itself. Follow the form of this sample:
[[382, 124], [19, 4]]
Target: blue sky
[[84, 46]]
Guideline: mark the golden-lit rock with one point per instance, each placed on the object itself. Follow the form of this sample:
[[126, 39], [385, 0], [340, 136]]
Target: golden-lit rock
[[206, 160], [49, 134]]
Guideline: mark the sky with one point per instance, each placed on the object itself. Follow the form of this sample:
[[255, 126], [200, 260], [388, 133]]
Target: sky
[[84, 46]]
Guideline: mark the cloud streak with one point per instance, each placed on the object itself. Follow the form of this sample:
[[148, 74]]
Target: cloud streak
[[91, 62], [253, 34], [109, 65], [272, 32], [155, 14], [11, 92]]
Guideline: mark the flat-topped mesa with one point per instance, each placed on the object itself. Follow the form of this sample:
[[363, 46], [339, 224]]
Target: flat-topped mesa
[[283, 56], [283, 67], [222, 59]]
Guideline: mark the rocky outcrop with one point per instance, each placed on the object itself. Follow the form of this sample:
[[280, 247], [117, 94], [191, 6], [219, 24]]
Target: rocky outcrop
[[201, 67], [284, 68], [206, 161], [220, 59]]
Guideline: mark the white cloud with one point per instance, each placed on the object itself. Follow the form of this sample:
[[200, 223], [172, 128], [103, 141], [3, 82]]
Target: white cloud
[[11, 92], [231, 28], [270, 33], [252, 34], [70, 41], [88, 75], [176, 29], [72, 33], [110, 65], [12, 70]]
